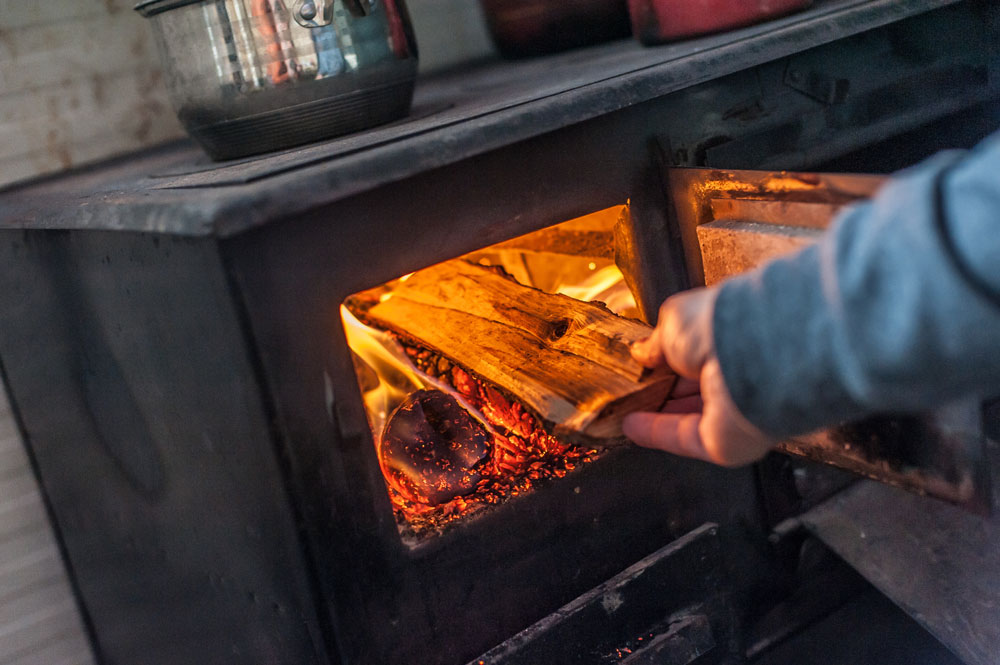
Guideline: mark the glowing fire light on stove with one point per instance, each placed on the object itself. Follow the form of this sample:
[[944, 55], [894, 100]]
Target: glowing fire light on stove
[[605, 285], [450, 444]]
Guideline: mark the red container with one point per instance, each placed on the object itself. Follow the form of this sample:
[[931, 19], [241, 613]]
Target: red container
[[658, 21], [533, 27]]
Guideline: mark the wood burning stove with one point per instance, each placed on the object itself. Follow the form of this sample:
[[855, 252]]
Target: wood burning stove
[[174, 345]]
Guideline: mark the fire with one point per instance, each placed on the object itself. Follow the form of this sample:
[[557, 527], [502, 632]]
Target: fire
[[604, 285], [521, 453], [395, 375], [449, 444]]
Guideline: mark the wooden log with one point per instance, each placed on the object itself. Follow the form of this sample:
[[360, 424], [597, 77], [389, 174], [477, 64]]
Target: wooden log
[[566, 360]]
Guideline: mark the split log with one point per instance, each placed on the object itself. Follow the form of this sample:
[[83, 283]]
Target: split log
[[566, 360]]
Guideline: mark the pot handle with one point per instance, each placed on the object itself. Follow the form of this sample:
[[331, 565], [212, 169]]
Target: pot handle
[[313, 13], [319, 13]]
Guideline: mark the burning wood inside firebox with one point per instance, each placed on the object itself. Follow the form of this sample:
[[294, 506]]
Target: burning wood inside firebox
[[479, 385]]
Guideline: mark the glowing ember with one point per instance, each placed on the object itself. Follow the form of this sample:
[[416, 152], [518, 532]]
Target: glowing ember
[[432, 450], [393, 374], [522, 452], [450, 444]]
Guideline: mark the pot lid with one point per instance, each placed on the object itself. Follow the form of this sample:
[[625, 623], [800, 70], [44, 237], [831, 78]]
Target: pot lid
[[150, 7]]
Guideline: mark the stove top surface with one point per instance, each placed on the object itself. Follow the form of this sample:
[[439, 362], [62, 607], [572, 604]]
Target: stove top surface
[[176, 189]]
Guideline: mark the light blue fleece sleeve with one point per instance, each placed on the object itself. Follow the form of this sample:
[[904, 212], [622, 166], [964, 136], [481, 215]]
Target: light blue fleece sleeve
[[896, 309]]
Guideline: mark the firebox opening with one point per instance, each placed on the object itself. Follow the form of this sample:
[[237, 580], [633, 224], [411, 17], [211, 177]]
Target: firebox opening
[[461, 369]]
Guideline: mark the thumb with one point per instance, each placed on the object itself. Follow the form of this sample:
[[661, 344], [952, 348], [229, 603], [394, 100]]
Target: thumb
[[649, 352], [685, 330]]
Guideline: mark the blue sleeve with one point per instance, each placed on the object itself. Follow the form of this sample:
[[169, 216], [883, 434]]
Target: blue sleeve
[[896, 309]]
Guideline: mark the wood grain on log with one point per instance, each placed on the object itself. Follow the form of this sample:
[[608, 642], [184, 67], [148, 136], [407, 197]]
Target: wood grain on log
[[566, 360]]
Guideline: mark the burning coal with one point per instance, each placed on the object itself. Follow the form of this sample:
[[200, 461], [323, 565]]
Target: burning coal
[[432, 450], [449, 443]]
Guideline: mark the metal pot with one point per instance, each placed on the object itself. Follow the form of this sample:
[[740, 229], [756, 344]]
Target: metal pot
[[250, 76], [659, 21]]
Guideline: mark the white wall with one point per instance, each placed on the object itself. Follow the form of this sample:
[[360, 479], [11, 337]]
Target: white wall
[[79, 81], [39, 620], [449, 32]]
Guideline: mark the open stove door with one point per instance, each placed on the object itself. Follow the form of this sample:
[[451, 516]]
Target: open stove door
[[733, 221]]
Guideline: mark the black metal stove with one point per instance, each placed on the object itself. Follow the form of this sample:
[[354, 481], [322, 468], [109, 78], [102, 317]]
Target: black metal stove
[[172, 342]]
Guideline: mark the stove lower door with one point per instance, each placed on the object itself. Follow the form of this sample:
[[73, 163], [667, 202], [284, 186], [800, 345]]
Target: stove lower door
[[733, 221]]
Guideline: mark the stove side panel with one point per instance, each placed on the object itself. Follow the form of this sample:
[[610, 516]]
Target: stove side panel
[[127, 367]]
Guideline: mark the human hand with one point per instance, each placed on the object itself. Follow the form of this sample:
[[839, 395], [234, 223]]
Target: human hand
[[709, 427]]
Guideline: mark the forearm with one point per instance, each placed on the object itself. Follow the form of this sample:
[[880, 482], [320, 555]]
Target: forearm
[[896, 309]]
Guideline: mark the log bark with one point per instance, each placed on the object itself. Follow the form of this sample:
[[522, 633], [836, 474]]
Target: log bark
[[566, 360]]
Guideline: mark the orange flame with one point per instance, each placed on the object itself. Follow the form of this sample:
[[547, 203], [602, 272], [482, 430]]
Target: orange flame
[[523, 452]]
